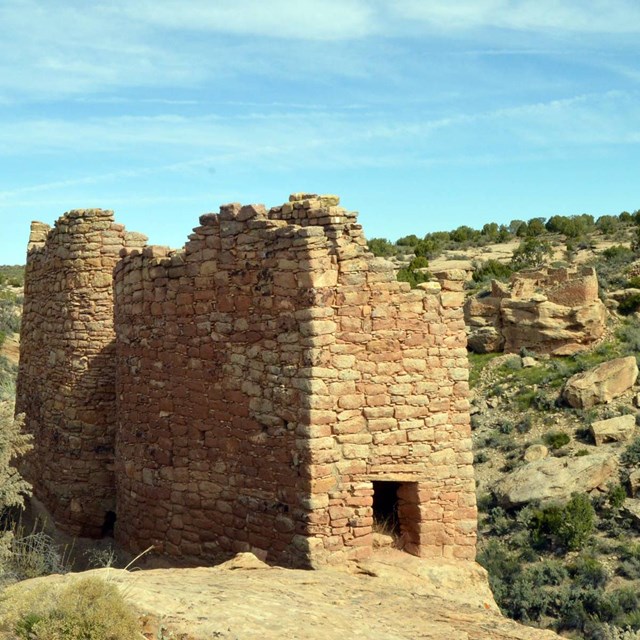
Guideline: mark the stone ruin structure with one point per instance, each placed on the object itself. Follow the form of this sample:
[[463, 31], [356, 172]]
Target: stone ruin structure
[[554, 311], [270, 387]]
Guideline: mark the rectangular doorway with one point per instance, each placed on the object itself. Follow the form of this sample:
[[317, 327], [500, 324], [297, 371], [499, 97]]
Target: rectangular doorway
[[396, 515]]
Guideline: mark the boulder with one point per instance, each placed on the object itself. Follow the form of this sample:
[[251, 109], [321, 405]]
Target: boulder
[[601, 384], [619, 429], [554, 479], [485, 340], [528, 361], [634, 483], [569, 349], [535, 452], [482, 311], [631, 510]]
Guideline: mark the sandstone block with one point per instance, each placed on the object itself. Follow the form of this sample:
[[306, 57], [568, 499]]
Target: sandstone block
[[555, 479], [536, 452], [601, 384], [619, 429]]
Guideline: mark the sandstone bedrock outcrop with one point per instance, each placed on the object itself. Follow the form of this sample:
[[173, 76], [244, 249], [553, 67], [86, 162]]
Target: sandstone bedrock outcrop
[[255, 391], [383, 598], [554, 311]]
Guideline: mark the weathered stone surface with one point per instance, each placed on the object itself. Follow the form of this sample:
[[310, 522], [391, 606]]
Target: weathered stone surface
[[555, 479], [631, 510], [396, 597], [634, 483], [618, 429], [536, 452], [67, 372], [601, 384], [547, 311], [245, 393], [485, 340]]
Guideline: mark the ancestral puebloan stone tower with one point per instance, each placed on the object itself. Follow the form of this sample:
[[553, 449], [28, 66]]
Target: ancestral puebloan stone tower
[[271, 387]]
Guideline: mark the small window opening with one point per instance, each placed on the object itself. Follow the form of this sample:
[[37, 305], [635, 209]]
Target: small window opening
[[385, 508], [108, 524]]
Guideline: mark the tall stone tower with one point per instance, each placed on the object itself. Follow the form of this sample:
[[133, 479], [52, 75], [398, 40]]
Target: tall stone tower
[[66, 381]]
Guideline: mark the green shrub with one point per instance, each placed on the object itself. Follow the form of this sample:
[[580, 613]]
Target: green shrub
[[12, 275], [631, 455], [611, 265], [13, 443], [630, 304], [578, 522], [531, 254], [485, 502], [627, 597], [629, 561], [413, 273], [618, 253], [556, 439], [381, 247], [8, 373], [586, 571], [544, 524], [490, 270], [83, 609], [500, 522], [569, 526], [616, 495]]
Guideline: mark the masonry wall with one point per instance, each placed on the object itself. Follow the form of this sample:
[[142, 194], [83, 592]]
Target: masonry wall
[[271, 371], [247, 391], [213, 380], [396, 409], [67, 366]]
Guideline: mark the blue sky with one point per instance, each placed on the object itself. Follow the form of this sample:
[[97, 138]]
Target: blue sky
[[421, 114]]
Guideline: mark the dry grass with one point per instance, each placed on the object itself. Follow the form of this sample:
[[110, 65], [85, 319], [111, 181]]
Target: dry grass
[[85, 608]]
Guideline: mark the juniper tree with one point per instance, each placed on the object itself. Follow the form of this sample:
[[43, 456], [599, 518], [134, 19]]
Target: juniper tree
[[13, 487]]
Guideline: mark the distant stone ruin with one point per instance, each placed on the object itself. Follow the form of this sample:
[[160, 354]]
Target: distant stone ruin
[[270, 387], [549, 310]]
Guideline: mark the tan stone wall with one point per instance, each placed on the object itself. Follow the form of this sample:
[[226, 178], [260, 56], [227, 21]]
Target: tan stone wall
[[393, 406], [265, 377], [66, 377], [212, 384]]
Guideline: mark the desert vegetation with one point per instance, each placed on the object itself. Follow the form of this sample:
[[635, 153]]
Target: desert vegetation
[[569, 563]]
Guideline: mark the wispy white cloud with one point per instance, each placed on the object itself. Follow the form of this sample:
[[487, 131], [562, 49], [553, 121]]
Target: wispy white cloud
[[58, 48], [587, 16], [325, 138], [281, 19]]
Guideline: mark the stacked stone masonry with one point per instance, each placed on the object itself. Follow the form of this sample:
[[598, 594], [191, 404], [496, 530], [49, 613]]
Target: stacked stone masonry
[[248, 392]]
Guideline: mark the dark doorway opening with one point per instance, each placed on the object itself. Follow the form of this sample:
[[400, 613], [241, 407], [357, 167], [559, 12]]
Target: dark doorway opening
[[108, 524], [385, 507]]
